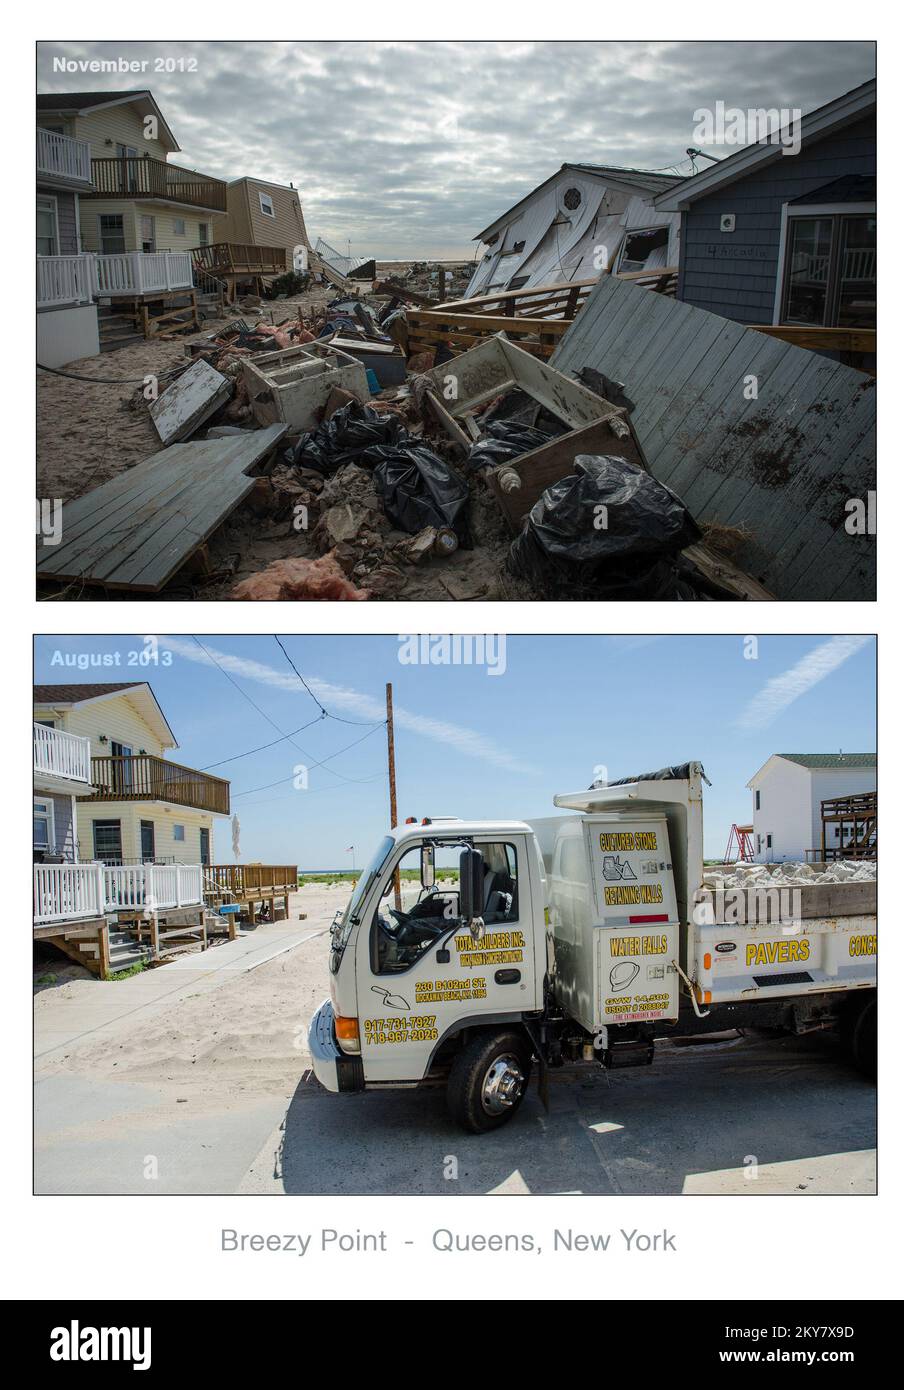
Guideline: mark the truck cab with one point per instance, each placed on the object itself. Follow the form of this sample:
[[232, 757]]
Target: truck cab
[[443, 936]]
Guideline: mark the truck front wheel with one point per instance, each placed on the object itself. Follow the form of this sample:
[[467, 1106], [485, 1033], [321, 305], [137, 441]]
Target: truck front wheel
[[488, 1081]]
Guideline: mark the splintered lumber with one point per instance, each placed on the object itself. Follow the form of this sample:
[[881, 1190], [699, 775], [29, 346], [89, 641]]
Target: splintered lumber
[[139, 529], [189, 401]]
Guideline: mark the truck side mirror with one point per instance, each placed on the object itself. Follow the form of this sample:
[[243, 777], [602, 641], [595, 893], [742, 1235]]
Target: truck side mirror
[[470, 886], [428, 872]]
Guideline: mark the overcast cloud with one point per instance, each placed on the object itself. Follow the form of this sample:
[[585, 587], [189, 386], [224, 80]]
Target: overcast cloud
[[409, 149]]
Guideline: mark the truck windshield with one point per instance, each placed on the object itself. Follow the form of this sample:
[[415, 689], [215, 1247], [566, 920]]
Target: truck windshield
[[343, 925]]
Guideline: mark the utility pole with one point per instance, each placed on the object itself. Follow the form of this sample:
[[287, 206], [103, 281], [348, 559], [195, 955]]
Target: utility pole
[[393, 812]]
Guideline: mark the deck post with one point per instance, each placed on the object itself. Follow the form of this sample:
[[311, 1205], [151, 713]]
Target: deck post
[[103, 951]]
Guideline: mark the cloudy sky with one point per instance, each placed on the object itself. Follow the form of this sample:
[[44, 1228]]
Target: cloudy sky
[[409, 149]]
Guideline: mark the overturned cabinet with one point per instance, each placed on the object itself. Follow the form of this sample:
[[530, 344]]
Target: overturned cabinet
[[292, 386], [463, 385]]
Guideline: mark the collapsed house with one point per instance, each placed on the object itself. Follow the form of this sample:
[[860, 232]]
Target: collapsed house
[[553, 234]]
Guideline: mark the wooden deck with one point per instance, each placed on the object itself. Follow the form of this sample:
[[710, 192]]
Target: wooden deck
[[138, 530], [250, 884]]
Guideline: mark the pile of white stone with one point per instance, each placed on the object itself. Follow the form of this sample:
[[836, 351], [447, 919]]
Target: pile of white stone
[[743, 875]]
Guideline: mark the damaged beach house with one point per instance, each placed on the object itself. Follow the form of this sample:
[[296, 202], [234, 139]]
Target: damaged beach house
[[650, 387]]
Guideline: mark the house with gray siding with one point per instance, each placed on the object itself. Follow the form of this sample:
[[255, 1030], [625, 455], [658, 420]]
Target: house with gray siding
[[771, 237]]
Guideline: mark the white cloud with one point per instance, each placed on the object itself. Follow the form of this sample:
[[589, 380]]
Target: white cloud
[[781, 691], [345, 700]]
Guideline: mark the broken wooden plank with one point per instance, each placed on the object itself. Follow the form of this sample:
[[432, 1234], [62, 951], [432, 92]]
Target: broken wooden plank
[[138, 530], [189, 401]]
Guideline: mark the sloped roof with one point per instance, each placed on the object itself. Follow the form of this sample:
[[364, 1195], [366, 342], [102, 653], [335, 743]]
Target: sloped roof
[[642, 179], [850, 106], [837, 760], [85, 102], [81, 694], [72, 694]]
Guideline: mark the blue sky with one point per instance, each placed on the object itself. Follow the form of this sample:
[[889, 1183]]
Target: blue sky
[[470, 743]]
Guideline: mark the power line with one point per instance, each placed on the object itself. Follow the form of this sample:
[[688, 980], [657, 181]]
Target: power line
[[264, 746], [312, 762], [362, 723], [283, 780]]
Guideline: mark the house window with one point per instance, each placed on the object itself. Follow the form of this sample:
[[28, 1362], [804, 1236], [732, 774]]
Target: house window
[[757, 800], [127, 170], [645, 249], [148, 234], [107, 840], [112, 233], [202, 233], [830, 270], [768, 841], [48, 236], [43, 825], [178, 226], [517, 281], [178, 832], [148, 846], [266, 204]]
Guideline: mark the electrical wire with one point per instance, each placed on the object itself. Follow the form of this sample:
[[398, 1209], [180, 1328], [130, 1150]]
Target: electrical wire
[[283, 780], [361, 723], [312, 762], [264, 746]]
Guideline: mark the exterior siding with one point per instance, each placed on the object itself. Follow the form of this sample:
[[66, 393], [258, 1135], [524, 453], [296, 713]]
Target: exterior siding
[[130, 814], [830, 782], [741, 286], [167, 239], [118, 719], [245, 223], [118, 125]]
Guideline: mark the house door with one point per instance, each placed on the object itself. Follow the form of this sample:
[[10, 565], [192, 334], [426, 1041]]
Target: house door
[[112, 234], [147, 842], [48, 241], [205, 846], [128, 177], [122, 766], [148, 234]]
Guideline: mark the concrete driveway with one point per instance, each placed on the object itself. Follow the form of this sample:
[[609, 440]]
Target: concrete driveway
[[197, 1080]]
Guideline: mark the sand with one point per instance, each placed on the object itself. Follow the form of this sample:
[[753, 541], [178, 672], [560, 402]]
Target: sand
[[249, 1032]]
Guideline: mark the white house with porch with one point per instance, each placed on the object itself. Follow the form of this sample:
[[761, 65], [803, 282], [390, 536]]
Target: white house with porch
[[788, 792], [116, 221]]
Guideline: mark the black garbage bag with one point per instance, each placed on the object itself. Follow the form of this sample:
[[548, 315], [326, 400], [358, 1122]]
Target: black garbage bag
[[348, 433], [609, 530], [505, 440], [418, 489]]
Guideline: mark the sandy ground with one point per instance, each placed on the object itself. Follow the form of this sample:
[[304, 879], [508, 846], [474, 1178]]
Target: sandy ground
[[208, 1089], [89, 434]]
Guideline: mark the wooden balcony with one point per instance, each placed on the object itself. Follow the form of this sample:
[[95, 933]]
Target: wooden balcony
[[143, 177], [144, 777], [245, 881], [235, 258]]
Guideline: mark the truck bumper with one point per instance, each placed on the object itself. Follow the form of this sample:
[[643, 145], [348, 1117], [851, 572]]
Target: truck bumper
[[334, 1069]]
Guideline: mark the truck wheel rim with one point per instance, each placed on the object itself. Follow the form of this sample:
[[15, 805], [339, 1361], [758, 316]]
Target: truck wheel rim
[[502, 1085]]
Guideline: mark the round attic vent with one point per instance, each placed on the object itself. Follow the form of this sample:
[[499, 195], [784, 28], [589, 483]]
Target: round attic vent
[[572, 198]]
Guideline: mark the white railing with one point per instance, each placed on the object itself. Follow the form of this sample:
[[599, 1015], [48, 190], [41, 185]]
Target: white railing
[[143, 272], [59, 156], [66, 280], [150, 887], [81, 279], [66, 892], [61, 754]]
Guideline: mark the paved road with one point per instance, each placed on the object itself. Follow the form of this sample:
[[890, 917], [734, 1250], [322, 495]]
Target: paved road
[[209, 1091]]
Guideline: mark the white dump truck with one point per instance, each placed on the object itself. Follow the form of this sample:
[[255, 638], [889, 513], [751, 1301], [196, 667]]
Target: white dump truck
[[579, 938]]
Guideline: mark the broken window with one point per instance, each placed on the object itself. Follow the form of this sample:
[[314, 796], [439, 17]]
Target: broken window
[[645, 249], [572, 198], [517, 281]]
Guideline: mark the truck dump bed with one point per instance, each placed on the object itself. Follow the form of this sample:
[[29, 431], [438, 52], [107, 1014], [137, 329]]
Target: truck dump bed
[[732, 942]]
